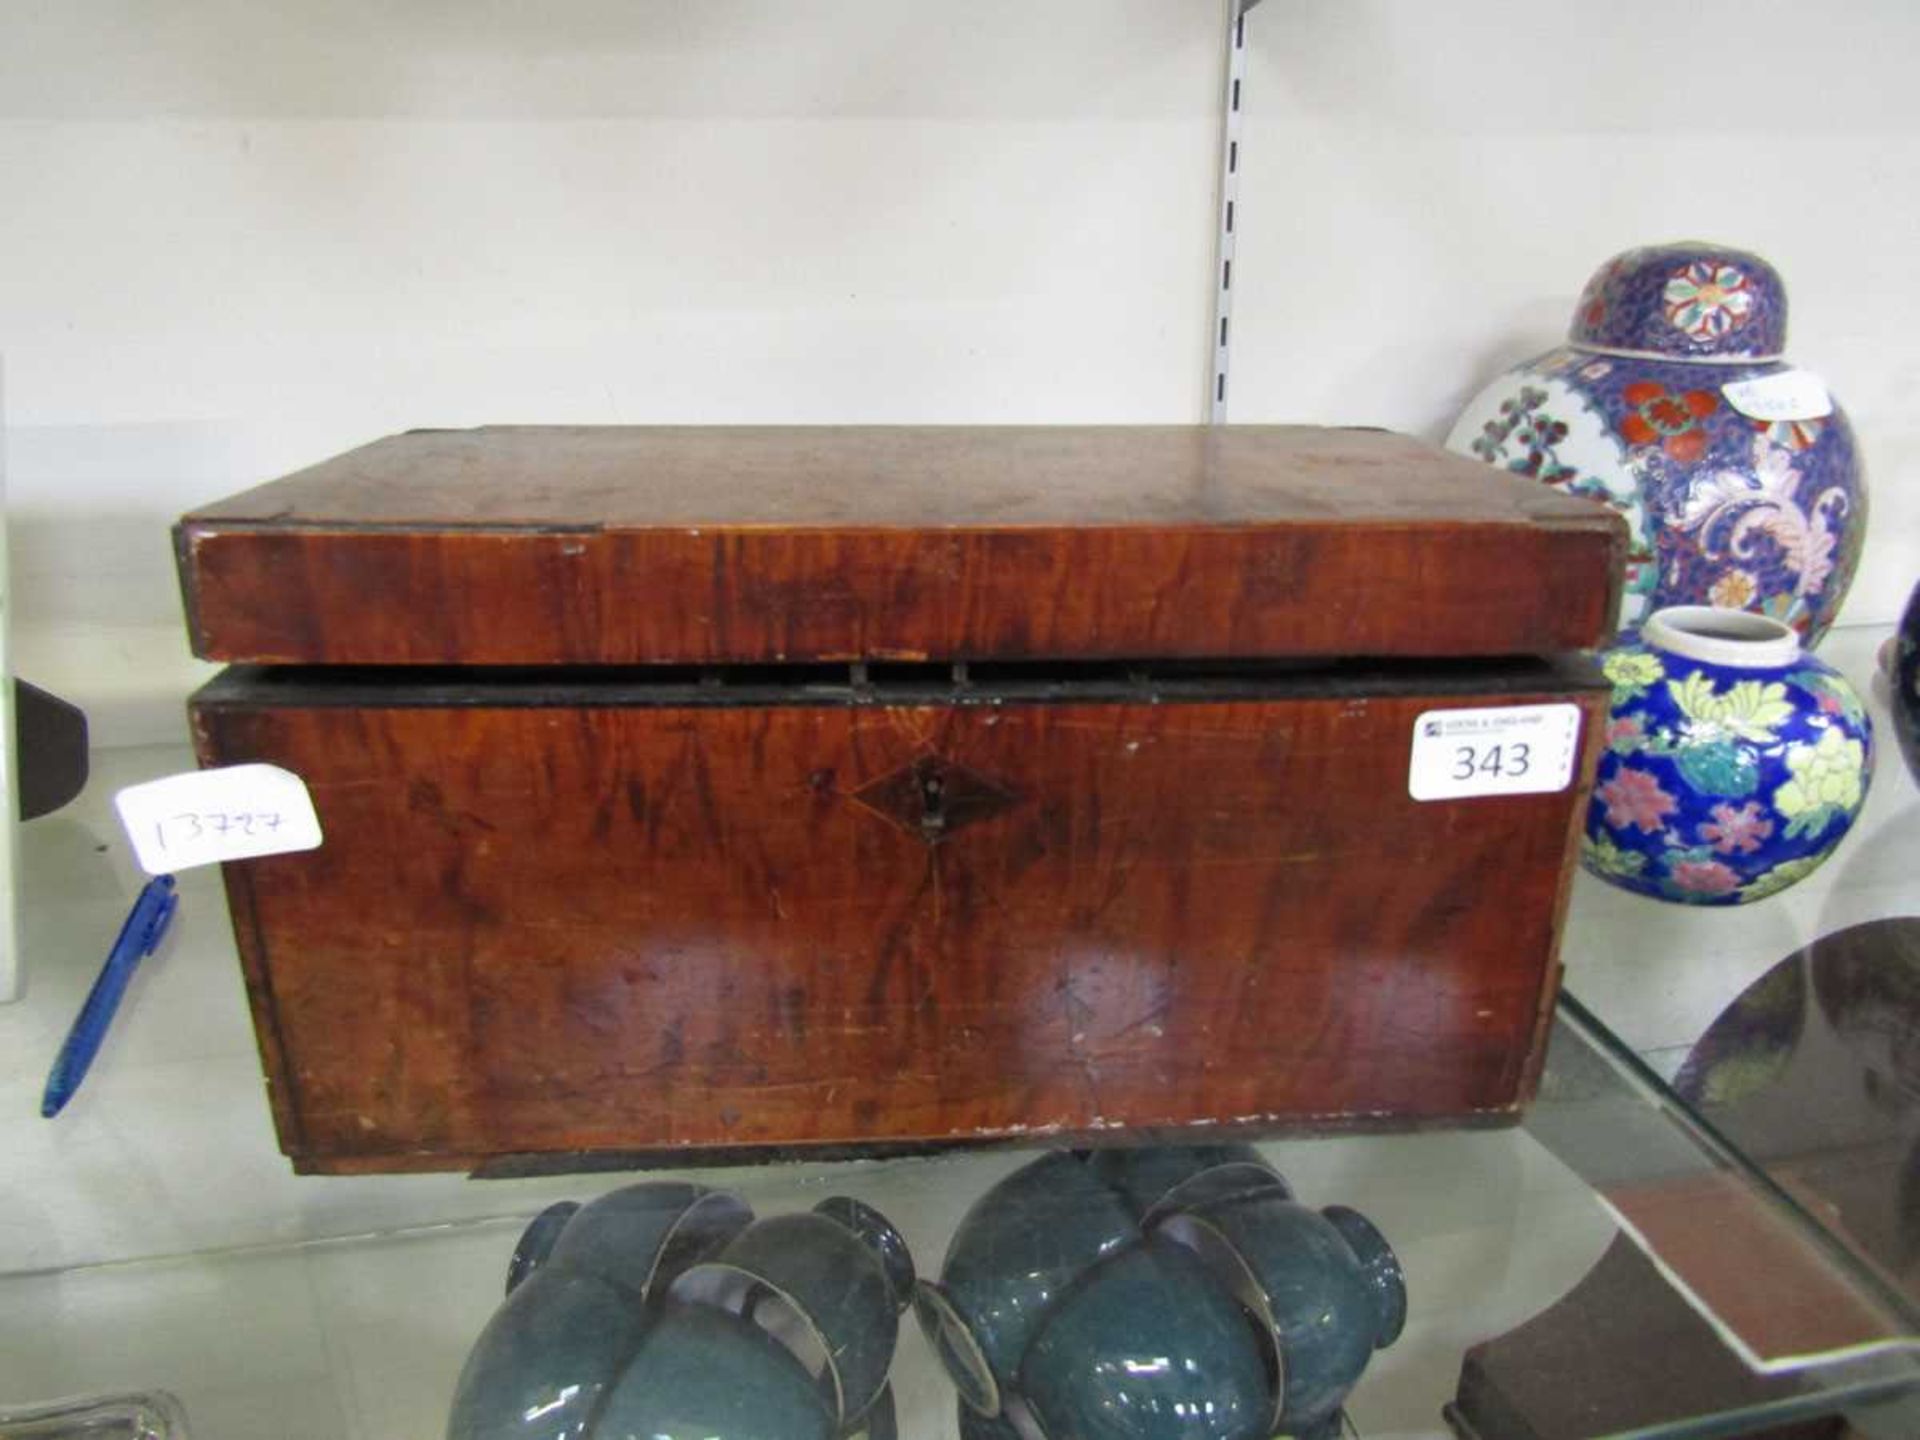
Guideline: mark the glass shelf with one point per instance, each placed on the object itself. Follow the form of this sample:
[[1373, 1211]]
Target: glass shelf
[[363, 1336]]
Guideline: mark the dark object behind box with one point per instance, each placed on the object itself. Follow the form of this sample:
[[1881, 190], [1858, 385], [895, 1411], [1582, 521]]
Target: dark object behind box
[[836, 786]]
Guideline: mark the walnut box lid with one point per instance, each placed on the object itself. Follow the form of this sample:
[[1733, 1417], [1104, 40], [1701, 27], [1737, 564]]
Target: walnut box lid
[[537, 545]]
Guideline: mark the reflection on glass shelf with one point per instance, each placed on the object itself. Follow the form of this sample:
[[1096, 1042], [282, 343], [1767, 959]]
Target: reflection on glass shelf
[[1813, 1073], [98, 1417], [1720, 1297], [364, 1337], [1773, 1281]]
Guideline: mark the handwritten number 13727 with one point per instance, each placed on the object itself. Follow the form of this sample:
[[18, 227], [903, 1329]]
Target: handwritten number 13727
[[1511, 758], [199, 823]]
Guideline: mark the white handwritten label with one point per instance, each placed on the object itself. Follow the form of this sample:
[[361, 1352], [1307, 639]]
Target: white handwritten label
[[1504, 750], [1789, 395], [206, 816]]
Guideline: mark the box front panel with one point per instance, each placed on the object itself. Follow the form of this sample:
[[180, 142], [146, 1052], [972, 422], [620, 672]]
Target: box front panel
[[553, 928]]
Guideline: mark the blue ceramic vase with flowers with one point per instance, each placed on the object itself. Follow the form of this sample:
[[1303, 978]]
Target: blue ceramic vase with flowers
[[1734, 763], [1672, 402]]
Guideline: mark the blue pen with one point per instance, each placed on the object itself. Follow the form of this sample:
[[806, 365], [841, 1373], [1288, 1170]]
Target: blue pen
[[139, 937]]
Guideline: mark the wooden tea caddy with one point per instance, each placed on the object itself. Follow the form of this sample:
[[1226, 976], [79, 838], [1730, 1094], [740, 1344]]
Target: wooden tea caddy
[[708, 791]]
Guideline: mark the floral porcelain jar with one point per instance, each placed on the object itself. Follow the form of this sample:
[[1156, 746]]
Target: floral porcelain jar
[[1734, 763], [1737, 475]]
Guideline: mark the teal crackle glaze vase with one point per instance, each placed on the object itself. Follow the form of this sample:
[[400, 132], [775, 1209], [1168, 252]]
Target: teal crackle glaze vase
[[666, 1310], [1671, 401], [1158, 1293], [1735, 763]]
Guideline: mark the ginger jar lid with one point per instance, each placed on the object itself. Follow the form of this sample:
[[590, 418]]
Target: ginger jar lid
[[1685, 301]]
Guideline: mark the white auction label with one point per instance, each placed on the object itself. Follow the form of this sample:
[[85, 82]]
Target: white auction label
[[1500, 750], [1789, 395], [206, 816]]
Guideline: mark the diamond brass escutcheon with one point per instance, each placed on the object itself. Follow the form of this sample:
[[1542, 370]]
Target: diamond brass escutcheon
[[933, 797]]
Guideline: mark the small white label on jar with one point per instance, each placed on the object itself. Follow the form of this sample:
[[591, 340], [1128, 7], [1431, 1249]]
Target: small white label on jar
[[207, 816], [1790, 395], [1498, 750]]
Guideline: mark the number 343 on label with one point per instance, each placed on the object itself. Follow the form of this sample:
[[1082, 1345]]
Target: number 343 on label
[[1500, 750]]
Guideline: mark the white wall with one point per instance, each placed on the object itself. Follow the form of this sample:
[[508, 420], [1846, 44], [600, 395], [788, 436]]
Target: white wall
[[1427, 187], [242, 236]]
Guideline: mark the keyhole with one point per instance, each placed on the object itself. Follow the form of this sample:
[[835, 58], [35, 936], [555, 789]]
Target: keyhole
[[933, 794]]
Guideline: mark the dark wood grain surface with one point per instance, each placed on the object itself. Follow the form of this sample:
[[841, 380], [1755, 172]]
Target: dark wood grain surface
[[565, 928], [537, 545]]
